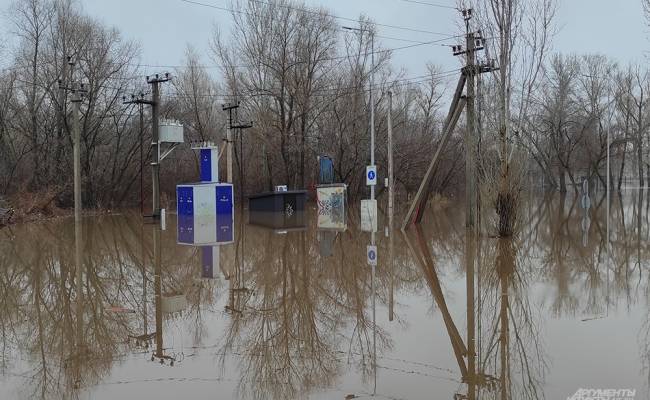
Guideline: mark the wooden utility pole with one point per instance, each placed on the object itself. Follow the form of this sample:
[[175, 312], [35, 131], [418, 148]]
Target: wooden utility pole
[[234, 124], [154, 81], [140, 101]]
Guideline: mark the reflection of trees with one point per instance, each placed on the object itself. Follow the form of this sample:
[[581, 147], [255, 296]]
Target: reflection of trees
[[510, 347], [289, 332], [304, 316], [585, 280], [55, 319], [305, 313], [510, 361]]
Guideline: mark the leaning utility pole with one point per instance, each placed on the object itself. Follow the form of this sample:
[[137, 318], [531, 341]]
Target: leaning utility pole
[[475, 42]]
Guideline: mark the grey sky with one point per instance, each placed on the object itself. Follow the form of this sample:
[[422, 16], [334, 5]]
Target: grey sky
[[164, 27]]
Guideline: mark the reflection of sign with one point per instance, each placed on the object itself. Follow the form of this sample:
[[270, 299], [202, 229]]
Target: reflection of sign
[[331, 207], [209, 261], [371, 253], [371, 175], [369, 215]]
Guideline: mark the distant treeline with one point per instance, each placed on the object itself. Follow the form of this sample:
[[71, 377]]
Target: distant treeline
[[305, 83]]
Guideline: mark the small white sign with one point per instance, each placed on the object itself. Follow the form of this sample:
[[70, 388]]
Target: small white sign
[[371, 175], [371, 254], [369, 215]]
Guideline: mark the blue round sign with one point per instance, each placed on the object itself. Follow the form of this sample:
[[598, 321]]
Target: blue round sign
[[371, 175], [371, 254]]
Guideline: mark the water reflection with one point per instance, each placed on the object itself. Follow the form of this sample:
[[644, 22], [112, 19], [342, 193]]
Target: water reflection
[[295, 311]]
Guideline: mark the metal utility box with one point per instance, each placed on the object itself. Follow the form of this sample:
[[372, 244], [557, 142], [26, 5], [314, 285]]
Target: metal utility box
[[204, 199], [170, 131], [208, 233], [287, 203], [331, 206]]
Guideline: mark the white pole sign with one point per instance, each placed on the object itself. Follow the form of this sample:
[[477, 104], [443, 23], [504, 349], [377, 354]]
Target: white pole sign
[[371, 253], [371, 175]]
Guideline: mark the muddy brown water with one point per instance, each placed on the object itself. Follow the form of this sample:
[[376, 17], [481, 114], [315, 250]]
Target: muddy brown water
[[299, 313]]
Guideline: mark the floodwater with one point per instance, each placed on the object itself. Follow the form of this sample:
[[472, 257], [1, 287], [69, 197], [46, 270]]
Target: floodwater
[[297, 312]]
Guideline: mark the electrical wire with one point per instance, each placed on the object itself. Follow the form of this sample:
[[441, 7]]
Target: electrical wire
[[426, 3], [308, 11], [340, 91]]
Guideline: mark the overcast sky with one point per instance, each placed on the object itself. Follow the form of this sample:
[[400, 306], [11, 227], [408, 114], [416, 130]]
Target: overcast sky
[[164, 27]]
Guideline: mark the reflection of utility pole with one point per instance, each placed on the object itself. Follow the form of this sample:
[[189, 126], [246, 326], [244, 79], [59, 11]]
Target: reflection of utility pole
[[233, 123], [157, 285], [159, 353]]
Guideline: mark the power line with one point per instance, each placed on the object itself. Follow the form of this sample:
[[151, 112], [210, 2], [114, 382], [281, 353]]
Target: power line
[[425, 3], [343, 90], [307, 11], [208, 66]]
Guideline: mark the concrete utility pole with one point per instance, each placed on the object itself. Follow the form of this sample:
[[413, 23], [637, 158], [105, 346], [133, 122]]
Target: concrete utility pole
[[475, 42], [77, 89], [372, 107], [155, 82], [471, 153], [391, 185]]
